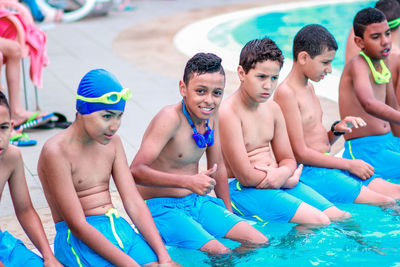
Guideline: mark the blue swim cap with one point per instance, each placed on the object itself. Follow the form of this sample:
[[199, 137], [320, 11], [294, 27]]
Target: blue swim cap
[[96, 83]]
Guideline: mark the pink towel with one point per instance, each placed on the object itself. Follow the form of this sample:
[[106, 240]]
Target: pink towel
[[35, 39]]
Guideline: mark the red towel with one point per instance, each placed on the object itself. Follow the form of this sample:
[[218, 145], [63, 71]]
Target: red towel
[[35, 39]]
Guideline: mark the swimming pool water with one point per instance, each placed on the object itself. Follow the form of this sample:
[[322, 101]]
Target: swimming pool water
[[282, 26], [370, 238]]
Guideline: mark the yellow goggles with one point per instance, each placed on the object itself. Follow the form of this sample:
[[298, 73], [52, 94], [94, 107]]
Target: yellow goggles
[[108, 98]]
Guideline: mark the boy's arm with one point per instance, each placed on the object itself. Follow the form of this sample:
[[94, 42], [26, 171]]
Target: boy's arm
[[55, 170], [24, 210], [288, 103], [161, 130], [235, 153], [364, 93], [214, 156], [134, 204], [281, 145], [345, 126], [394, 102]]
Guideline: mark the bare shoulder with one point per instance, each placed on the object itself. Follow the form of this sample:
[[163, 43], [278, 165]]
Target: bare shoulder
[[284, 91], [12, 157], [274, 106], [168, 115], [229, 107], [355, 63], [55, 151], [395, 60], [53, 146]]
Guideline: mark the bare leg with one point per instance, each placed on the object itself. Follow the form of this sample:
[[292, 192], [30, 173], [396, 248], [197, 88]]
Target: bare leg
[[367, 196], [308, 215], [215, 247], [336, 214], [11, 51], [1, 64], [247, 234], [385, 188]]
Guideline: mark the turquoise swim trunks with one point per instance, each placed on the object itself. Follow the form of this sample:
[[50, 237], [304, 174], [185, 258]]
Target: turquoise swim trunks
[[71, 251], [14, 253], [334, 184], [191, 221], [381, 151], [278, 205]]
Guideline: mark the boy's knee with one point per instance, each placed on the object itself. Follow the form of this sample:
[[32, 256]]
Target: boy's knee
[[215, 247], [259, 239], [322, 219], [15, 51]]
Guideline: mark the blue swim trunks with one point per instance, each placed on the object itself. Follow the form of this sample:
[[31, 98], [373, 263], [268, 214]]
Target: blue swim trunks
[[191, 221], [334, 184], [71, 251], [381, 151], [278, 205], [14, 253]]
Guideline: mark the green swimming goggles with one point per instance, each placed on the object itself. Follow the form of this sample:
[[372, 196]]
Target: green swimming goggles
[[108, 98], [379, 77], [394, 23]]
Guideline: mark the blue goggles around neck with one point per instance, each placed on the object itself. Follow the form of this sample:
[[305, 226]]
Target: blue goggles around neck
[[201, 140]]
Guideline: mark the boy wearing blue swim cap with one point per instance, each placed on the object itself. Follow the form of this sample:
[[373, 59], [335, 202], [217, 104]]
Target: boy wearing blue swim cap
[[75, 168], [340, 180], [167, 165], [12, 251]]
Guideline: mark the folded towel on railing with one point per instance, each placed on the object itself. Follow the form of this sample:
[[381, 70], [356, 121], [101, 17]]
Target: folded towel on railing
[[35, 39]]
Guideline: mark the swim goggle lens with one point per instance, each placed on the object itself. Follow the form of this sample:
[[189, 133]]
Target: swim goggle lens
[[108, 98]]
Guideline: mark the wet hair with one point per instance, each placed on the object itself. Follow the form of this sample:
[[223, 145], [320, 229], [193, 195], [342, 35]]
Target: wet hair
[[259, 50], [390, 8], [4, 101], [313, 39], [366, 17], [202, 63]]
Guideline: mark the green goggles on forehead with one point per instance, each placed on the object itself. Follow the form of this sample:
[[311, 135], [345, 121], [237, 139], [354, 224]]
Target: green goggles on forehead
[[108, 98], [394, 23]]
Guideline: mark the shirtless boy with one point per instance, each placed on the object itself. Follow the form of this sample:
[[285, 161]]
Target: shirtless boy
[[391, 10], [12, 251], [75, 168], [337, 179], [167, 165], [366, 91], [267, 186]]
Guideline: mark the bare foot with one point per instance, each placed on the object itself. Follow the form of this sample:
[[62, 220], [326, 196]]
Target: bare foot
[[22, 116]]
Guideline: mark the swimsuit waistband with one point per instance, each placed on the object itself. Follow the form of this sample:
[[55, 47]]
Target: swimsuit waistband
[[62, 225], [367, 140], [171, 200]]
